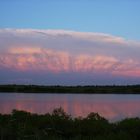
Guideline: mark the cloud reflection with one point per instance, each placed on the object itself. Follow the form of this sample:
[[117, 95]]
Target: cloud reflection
[[111, 107]]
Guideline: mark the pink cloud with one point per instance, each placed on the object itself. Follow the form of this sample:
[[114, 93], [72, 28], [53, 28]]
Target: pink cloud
[[59, 51], [48, 60]]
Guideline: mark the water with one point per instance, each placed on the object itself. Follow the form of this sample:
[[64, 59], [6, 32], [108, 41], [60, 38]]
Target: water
[[111, 106]]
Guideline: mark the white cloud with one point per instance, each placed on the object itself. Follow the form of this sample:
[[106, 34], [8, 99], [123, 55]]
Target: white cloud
[[60, 51]]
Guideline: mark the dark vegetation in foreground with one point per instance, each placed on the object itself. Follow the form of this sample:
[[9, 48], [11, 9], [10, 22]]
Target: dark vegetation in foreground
[[58, 125], [132, 89]]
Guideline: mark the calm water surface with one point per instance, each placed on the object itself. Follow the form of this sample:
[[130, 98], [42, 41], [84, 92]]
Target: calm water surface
[[111, 106]]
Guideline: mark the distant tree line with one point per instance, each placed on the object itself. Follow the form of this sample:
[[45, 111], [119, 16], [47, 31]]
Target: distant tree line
[[128, 89], [58, 125]]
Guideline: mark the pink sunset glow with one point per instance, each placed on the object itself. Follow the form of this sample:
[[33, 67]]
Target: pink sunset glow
[[111, 108], [69, 52]]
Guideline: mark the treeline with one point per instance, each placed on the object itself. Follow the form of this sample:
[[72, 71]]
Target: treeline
[[129, 89], [21, 125]]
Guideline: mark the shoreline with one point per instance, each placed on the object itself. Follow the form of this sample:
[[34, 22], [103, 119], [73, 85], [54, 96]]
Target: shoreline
[[91, 89]]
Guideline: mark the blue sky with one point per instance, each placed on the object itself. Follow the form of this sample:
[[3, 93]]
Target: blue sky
[[116, 17]]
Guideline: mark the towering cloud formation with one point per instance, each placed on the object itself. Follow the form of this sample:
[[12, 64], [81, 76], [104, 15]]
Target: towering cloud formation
[[66, 54]]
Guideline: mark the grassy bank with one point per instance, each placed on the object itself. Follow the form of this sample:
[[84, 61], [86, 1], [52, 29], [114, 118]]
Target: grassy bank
[[21, 125], [135, 89]]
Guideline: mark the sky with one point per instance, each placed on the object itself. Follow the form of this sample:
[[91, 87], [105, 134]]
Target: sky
[[69, 42]]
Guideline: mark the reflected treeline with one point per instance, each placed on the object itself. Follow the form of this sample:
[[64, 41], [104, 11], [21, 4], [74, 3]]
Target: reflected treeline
[[58, 125], [71, 89]]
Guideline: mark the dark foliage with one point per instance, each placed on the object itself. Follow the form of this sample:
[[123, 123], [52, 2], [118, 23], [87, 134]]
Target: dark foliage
[[132, 89], [58, 125]]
